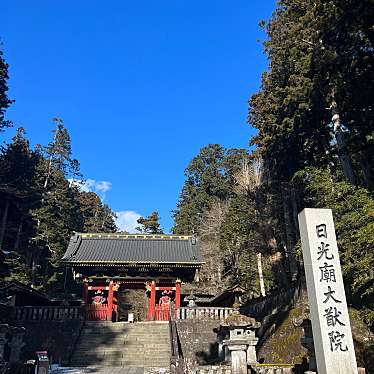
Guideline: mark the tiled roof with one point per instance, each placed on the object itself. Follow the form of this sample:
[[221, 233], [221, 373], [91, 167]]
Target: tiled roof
[[132, 250]]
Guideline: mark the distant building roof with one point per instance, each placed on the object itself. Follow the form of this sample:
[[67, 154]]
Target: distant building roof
[[132, 250], [24, 294]]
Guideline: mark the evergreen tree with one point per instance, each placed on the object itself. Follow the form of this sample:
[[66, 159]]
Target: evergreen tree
[[209, 179], [18, 194], [150, 224], [59, 154], [5, 102], [97, 217], [314, 106], [57, 218], [353, 210]]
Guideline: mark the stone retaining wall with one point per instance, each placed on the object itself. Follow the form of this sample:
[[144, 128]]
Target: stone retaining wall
[[56, 337], [198, 340]]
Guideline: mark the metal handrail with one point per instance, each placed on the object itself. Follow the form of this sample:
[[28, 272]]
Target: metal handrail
[[176, 358]]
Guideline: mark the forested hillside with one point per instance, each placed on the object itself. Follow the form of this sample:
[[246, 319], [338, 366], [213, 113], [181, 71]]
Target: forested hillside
[[314, 148], [41, 203]]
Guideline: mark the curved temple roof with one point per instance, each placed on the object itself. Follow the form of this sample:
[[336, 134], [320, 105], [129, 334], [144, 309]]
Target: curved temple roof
[[132, 250]]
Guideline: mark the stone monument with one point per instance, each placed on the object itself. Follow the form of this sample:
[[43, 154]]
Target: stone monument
[[332, 334]]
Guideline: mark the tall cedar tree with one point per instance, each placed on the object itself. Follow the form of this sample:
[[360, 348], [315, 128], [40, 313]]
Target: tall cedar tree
[[5, 102], [209, 178], [97, 217], [320, 74], [18, 195], [321, 55], [41, 206]]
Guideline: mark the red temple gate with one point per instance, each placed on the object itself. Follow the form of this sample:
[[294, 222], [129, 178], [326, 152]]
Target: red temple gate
[[161, 311], [100, 308], [97, 310]]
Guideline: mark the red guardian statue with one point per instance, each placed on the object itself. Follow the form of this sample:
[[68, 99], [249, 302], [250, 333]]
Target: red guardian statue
[[99, 298]]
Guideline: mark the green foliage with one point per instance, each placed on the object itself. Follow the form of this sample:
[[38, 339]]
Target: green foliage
[[150, 224], [314, 115], [5, 102], [320, 53], [40, 208], [223, 204], [209, 178], [97, 217], [239, 241], [353, 209]]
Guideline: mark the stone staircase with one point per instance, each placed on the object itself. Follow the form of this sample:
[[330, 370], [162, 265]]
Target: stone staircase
[[107, 344]]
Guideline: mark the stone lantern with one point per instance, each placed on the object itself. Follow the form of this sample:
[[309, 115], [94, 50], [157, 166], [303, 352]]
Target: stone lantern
[[191, 300], [240, 345], [307, 341]]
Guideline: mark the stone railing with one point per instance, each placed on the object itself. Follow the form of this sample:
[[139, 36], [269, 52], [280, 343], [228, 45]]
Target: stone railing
[[215, 313], [27, 313], [260, 307]]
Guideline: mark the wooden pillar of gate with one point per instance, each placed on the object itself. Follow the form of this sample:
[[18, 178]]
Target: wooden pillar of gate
[[177, 300], [152, 302], [110, 301]]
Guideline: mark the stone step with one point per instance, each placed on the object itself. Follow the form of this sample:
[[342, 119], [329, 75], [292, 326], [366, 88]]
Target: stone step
[[126, 356], [143, 332], [110, 344], [122, 336], [125, 364], [148, 335], [125, 348], [123, 341], [114, 359], [119, 360], [81, 352]]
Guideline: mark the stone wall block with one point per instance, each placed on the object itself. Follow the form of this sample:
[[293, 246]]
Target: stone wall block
[[4, 328], [16, 344]]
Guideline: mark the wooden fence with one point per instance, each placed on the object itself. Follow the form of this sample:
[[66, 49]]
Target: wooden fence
[[27, 313], [215, 313], [162, 313]]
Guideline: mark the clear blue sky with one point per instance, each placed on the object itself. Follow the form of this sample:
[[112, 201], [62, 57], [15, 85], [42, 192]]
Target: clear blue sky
[[141, 86]]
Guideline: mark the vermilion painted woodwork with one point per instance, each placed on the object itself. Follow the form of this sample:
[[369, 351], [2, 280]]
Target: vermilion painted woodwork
[[153, 300], [165, 288], [177, 300], [110, 301], [96, 288]]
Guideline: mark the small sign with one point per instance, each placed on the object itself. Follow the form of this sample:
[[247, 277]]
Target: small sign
[[332, 334]]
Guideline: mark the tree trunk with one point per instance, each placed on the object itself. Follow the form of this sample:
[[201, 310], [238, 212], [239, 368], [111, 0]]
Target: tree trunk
[[18, 237], [344, 158], [260, 275], [289, 245], [4, 222], [368, 175], [294, 201], [34, 265]]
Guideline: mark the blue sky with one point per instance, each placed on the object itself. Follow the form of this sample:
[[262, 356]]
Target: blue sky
[[141, 86]]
